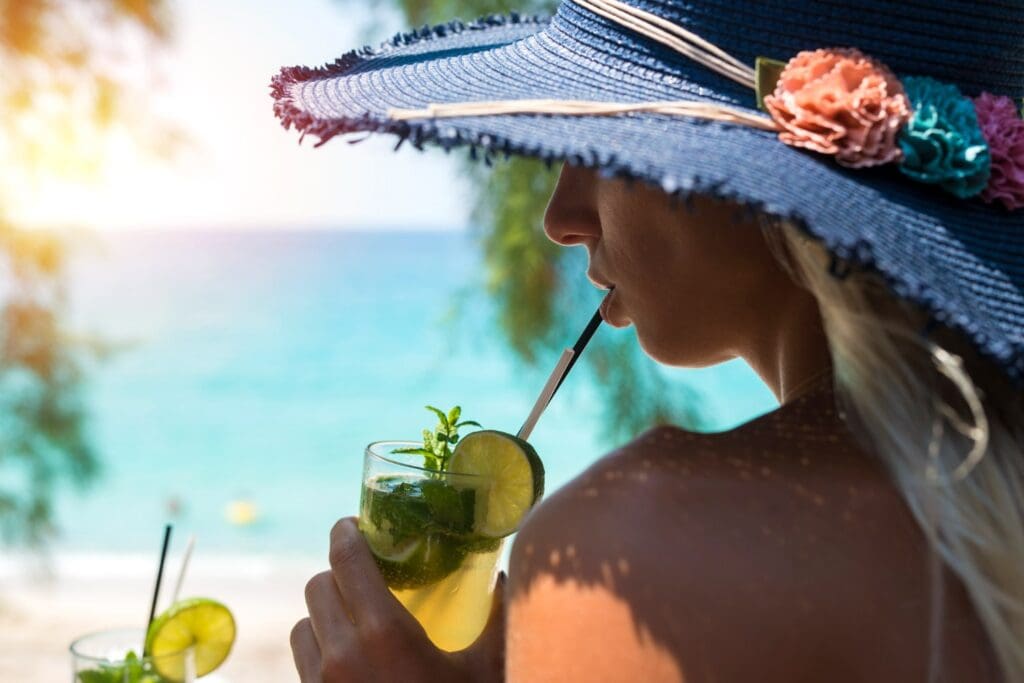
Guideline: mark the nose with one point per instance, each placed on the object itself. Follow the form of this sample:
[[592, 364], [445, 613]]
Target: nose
[[571, 216]]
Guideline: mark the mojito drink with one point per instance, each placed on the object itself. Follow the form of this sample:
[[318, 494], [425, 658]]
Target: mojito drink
[[421, 533], [186, 642], [115, 656], [436, 534]]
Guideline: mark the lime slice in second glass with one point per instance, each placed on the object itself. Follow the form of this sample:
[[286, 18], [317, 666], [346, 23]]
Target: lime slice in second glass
[[201, 623], [515, 478]]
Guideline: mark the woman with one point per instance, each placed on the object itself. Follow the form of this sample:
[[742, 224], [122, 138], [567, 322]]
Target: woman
[[859, 244]]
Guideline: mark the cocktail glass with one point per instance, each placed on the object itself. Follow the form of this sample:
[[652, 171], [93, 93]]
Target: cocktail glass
[[419, 524], [103, 657]]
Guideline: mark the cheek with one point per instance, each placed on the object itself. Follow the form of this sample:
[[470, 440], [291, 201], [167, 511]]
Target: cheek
[[692, 298], [683, 323]]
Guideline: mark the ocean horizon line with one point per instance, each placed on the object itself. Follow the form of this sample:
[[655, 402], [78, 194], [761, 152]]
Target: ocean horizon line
[[371, 228]]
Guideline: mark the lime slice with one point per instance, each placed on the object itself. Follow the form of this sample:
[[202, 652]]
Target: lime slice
[[513, 471], [417, 561], [400, 553], [432, 558], [201, 623]]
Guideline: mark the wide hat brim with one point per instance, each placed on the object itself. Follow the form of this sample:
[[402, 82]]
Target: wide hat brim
[[961, 261]]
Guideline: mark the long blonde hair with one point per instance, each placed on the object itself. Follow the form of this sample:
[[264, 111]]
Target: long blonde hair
[[949, 428]]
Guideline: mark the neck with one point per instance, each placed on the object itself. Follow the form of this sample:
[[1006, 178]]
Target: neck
[[791, 350]]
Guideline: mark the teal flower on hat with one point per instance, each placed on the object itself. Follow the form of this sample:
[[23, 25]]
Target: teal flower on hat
[[943, 143]]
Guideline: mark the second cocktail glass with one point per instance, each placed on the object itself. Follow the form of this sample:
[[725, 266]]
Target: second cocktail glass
[[110, 657]]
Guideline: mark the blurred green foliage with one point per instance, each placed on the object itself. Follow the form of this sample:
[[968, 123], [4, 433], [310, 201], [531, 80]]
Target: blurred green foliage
[[542, 297], [63, 85], [42, 415]]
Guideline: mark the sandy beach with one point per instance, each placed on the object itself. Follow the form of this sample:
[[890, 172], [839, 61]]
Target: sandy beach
[[45, 605]]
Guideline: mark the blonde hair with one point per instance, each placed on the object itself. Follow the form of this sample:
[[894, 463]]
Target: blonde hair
[[952, 444]]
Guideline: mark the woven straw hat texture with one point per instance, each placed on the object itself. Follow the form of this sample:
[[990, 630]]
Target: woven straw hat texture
[[962, 261]]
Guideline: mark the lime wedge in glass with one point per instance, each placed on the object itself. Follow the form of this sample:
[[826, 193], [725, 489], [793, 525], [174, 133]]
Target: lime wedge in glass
[[513, 471], [201, 623], [427, 561]]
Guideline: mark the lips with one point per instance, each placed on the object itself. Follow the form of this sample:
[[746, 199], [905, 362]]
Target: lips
[[599, 281], [602, 283], [607, 305]]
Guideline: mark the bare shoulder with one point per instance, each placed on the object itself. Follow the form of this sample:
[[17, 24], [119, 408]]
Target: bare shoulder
[[764, 553]]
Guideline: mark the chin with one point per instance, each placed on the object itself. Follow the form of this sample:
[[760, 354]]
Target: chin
[[680, 353]]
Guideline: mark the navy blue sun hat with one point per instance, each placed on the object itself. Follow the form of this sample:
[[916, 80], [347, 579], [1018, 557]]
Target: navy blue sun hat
[[959, 258]]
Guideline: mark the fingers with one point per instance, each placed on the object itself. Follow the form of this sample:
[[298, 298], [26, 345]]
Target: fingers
[[305, 652], [338, 653], [359, 581], [327, 612]]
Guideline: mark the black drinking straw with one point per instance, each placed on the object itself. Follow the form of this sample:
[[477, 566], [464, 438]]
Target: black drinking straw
[[156, 589], [581, 343], [558, 375]]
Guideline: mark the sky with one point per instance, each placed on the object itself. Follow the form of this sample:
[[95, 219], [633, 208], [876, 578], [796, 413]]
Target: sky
[[240, 168]]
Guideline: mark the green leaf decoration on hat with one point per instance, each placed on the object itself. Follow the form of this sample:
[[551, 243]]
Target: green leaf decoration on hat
[[766, 76], [943, 143]]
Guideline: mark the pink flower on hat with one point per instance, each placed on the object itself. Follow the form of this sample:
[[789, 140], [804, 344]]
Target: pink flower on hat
[[1004, 131], [840, 102]]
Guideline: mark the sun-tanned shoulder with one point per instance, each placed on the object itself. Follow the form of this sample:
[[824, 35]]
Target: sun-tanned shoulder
[[764, 553]]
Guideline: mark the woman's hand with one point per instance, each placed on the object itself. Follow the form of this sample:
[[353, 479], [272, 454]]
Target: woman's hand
[[358, 631]]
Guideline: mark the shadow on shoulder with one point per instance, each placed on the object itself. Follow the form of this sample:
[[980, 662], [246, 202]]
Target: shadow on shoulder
[[770, 553]]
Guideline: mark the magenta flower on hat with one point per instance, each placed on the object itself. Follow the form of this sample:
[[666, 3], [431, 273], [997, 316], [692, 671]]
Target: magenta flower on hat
[[1004, 131], [840, 102]]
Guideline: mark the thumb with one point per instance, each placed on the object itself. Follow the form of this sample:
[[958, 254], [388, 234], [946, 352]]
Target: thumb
[[486, 656]]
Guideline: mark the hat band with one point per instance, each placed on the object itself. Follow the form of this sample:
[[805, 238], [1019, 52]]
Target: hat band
[[673, 36], [696, 109], [836, 101], [680, 39]]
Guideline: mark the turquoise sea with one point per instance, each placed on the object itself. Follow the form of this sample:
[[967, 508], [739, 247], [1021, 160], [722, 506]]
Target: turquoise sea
[[256, 366]]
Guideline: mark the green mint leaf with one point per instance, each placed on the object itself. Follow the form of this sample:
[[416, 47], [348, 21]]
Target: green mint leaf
[[429, 441], [133, 668], [109, 675], [401, 512], [441, 417], [449, 508], [413, 451], [437, 443], [453, 415], [132, 672]]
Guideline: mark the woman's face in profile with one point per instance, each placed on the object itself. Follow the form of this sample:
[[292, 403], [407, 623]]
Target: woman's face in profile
[[697, 281]]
